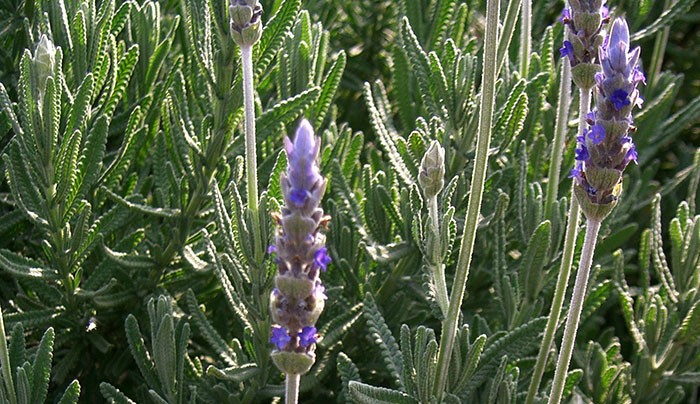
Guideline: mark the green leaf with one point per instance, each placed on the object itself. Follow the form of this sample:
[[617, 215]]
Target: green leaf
[[532, 269], [689, 332], [148, 210], [387, 139], [20, 266], [273, 35], [125, 68], [72, 393], [42, 367], [80, 112], [285, 111], [365, 394], [208, 332], [381, 335], [328, 89], [113, 395], [514, 344], [347, 371], [677, 9], [139, 353], [164, 354]]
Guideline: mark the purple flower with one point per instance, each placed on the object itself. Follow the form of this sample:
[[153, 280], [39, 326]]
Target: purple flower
[[272, 249], [307, 336], [582, 153], [619, 98], [577, 171], [567, 50], [638, 75], [590, 117], [631, 154], [597, 134], [280, 338], [298, 197], [565, 16], [322, 259]]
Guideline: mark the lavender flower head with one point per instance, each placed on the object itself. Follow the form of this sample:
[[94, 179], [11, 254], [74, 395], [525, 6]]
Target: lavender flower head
[[606, 148], [584, 36], [245, 21], [298, 298]]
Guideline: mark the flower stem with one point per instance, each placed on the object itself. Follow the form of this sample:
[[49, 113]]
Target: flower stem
[[5, 363], [449, 328], [525, 40], [437, 266], [657, 56], [559, 137], [569, 239], [292, 388], [572, 321], [250, 155]]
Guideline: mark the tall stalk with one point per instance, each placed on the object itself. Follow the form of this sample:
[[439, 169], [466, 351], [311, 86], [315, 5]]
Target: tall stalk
[[251, 159], [564, 269], [488, 89], [291, 388], [574, 316], [525, 37], [657, 56]]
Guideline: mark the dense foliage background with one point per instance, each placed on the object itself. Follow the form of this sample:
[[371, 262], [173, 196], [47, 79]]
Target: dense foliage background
[[130, 263]]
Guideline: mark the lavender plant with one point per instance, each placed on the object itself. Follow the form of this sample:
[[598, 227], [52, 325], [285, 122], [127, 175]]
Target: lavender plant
[[145, 173], [298, 298], [603, 152]]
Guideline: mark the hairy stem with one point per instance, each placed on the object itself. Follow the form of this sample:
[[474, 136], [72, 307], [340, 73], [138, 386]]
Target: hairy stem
[[572, 321], [291, 389], [438, 268], [559, 137], [569, 246], [509, 20], [5, 363], [251, 159], [525, 40], [657, 56], [449, 328]]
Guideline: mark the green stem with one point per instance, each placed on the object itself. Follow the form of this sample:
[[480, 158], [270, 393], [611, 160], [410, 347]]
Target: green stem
[[569, 245], [525, 40], [5, 363], [657, 57], [250, 156], [438, 268], [574, 316], [559, 137], [292, 389], [512, 13], [449, 329]]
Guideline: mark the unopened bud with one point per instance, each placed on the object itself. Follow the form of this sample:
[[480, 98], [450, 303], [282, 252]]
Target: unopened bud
[[432, 170]]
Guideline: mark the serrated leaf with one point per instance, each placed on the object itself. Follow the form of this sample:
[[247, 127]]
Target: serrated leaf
[[532, 268], [20, 266], [689, 331], [164, 354], [207, 330], [677, 9], [148, 210], [514, 344], [238, 374], [71, 394], [285, 111], [113, 395], [139, 352], [328, 89], [42, 368], [273, 35], [365, 394], [381, 336]]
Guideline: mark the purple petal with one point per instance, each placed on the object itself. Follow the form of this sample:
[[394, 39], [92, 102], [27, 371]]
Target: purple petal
[[619, 98], [597, 134], [307, 336], [638, 76], [280, 337], [565, 16], [298, 197], [581, 153], [632, 154], [322, 259]]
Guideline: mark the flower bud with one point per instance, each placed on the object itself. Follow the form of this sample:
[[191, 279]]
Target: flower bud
[[432, 170], [245, 21]]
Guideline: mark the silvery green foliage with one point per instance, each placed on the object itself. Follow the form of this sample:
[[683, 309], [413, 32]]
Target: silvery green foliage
[[123, 219]]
